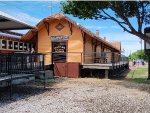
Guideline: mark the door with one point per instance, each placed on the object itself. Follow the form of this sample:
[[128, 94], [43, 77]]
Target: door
[[59, 52], [60, 69], [59, 58]]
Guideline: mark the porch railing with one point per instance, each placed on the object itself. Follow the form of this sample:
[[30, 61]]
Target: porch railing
[[20, 63], [85, 58]]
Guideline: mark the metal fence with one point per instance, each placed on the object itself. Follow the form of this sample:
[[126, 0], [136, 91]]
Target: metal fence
[[20, 63]]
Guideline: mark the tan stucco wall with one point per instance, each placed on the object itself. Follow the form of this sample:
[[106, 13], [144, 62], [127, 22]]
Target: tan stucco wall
[[75, 42]]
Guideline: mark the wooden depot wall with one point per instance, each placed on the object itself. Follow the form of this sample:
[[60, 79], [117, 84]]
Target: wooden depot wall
[[75, 42], [76, 47]]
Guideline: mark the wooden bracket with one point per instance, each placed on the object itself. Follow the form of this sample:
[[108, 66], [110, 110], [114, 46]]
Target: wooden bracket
[[70, 27], [83, 35], [47, 26]]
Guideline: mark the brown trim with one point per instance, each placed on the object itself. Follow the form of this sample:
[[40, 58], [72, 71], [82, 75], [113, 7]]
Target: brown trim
[[84, 42], [47, 27], [70, 27]]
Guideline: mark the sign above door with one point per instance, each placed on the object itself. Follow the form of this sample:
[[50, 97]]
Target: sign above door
[[57, 38]]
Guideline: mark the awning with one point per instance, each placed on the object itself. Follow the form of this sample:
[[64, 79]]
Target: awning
[[8, 22]]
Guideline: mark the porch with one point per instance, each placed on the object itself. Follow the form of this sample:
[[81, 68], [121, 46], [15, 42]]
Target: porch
[[18, 68], [70, 64]]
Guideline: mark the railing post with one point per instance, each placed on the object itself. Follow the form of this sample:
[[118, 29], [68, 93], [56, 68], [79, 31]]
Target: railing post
[[44, 71], [113, 61]]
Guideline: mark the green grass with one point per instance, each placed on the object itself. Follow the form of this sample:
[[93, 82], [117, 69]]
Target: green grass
[[139, 75]]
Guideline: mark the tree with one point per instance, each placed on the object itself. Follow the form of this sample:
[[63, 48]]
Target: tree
[[139, 54], [123, 11]]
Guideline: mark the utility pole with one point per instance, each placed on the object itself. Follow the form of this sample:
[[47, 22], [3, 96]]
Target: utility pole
[[50, 8]]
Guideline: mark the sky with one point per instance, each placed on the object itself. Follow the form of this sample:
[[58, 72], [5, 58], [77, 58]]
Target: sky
[[32, 12]]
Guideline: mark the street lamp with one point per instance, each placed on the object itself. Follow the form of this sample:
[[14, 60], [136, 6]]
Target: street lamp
[[147, 49]]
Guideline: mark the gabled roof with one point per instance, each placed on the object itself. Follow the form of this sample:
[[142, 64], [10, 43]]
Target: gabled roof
[[60, 16], [8, 22]]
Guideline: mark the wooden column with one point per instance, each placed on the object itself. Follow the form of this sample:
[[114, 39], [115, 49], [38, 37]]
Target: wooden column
[[84, 41], [106, 73]]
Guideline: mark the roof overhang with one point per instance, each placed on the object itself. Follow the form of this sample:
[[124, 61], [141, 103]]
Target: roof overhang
[[8, 22]]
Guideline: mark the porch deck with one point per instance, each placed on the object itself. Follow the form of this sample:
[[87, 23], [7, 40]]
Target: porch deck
[[20, 68], [104, 66]]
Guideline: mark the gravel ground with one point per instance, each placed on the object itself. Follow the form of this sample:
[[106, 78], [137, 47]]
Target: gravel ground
[[81, 95]]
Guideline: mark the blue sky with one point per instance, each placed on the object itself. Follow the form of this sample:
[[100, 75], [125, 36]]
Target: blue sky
[[32, 12]]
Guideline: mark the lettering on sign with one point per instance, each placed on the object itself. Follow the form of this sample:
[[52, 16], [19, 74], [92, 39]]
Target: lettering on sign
[[60, 49], [56, 38]]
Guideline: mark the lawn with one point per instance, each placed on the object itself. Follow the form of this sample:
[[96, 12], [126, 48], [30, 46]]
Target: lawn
[[139, 75]]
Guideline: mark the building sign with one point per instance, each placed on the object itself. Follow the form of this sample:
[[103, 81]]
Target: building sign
[[56, 38], [147, 45], [60, 49]]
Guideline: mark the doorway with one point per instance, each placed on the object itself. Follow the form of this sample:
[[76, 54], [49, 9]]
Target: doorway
[[59, 50]]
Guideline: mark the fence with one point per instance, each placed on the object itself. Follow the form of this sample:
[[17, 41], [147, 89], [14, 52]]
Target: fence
[[85, 58], [20, 63], [15, 66]]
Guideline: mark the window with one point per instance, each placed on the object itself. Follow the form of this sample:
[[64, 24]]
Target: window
[[20, 46], [10, 44], [16, 45], [4, 44], [25, 46]]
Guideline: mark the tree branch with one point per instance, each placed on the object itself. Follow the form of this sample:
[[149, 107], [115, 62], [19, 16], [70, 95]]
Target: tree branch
[[138, 18], [123, 17], [118, 22]]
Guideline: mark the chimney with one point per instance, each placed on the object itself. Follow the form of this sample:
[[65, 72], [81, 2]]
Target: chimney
[[97, 33], [104, 38]]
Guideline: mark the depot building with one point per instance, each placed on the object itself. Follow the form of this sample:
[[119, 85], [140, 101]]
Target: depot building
[[63, 40]]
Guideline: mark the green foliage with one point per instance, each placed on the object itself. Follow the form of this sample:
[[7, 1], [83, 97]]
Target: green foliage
[[139, 54], [95, 9], [117, 11]]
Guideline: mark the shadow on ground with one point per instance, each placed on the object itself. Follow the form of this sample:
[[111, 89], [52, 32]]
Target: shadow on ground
[[27, 90]]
